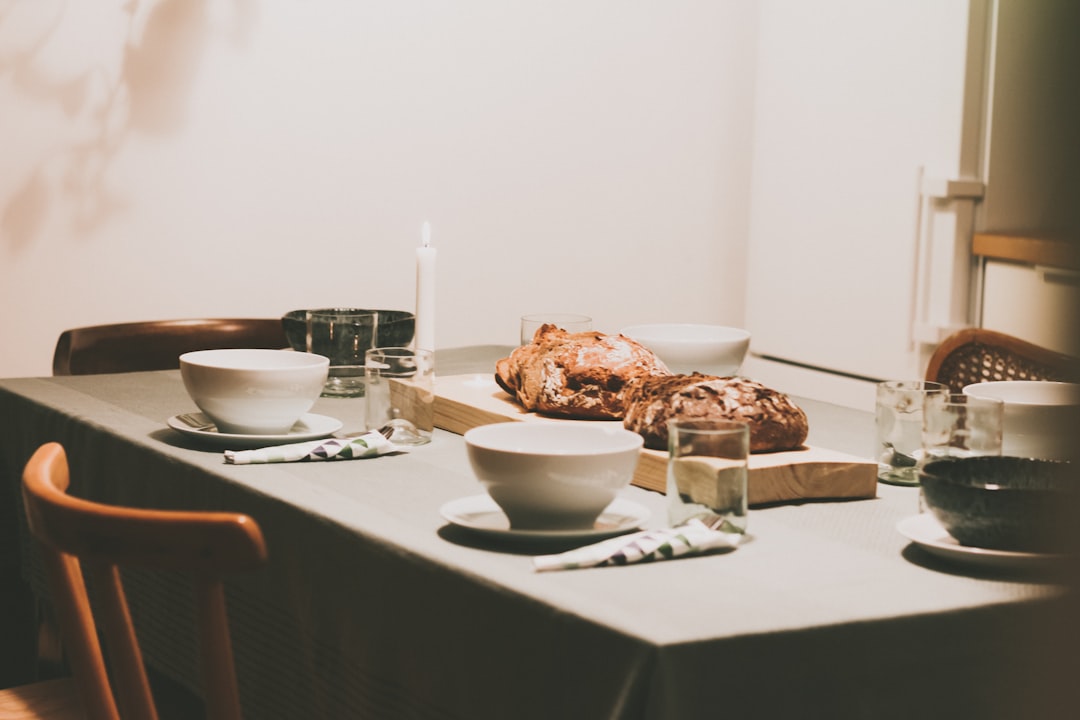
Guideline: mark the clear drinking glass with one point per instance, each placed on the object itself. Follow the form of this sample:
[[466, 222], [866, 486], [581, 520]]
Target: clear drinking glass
[[401, 393], [957, 425], [569, 322], [899, 423], [707, 473]]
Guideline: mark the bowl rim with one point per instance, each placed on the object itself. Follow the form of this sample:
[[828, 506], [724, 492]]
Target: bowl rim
[[282, 359], [930, 479], [972, 389], [400, 315], [627, 439]]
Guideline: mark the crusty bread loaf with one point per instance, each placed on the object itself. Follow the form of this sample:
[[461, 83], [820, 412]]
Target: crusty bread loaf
[[576, 375], [776, 423]]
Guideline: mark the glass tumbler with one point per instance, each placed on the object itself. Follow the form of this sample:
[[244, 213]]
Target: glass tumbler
[[957, 426], [707, 473], [899, 424], [401, 394]]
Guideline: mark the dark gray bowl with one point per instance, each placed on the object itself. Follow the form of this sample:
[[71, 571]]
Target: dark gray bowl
[[1006, 503], [396, 328]]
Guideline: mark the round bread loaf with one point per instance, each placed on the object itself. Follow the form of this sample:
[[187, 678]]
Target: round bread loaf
[[576, 375], [776, 423]]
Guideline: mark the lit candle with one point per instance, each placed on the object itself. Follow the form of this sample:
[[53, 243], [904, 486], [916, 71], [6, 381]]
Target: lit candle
[[425, 292]]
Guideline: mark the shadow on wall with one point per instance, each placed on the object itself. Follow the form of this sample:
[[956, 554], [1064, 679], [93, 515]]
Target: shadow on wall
[[141, 82]]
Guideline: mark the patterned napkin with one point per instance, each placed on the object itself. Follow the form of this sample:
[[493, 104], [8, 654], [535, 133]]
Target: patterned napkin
[[693, 538], [370, 444]]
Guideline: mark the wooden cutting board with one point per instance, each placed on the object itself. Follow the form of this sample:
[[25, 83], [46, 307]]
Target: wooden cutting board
[[467, 401]]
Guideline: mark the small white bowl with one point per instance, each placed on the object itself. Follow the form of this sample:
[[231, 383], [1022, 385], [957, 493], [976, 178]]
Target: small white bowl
[[1041, 417], [688, 347], [549, 476], [253, 392]]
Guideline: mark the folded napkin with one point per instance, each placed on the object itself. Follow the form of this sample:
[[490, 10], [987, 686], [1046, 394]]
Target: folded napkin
[[693, 538], [370, 444]]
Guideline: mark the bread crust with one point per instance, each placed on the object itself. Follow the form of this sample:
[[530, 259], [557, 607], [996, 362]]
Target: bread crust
[[776, 423], [576, 375]]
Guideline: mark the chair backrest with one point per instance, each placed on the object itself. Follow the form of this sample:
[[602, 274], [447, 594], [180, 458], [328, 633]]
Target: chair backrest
[[976, 355], [77, 536], [157, 344]]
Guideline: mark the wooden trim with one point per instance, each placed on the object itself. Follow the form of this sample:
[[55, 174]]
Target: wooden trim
[[1027, 248]]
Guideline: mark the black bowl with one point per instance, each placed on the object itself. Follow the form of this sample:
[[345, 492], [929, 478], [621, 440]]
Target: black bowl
[[1006, 503], [396, 328]]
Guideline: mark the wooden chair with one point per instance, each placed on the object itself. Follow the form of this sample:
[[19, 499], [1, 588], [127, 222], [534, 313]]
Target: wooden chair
[[976, 355], [78, 536], [157, 344]]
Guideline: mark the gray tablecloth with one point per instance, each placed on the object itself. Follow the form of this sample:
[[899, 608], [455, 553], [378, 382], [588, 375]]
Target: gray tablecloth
[[372, 606]]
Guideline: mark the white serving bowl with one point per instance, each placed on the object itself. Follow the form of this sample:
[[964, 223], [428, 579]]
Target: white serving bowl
[[253, 392], [688, 347], [1041, 417], [549, 476]]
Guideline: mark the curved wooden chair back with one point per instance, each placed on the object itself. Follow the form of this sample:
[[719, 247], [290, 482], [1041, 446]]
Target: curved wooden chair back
[[157, 344], [976, 355], [78, 536]]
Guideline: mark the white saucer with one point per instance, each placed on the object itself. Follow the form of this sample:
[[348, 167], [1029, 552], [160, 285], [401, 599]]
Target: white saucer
[[479, 513], [925, 531], [308, 427]]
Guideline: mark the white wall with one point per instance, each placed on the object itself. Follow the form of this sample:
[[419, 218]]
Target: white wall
[[246, 157]]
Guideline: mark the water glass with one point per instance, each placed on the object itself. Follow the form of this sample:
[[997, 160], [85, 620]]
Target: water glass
[[899, 423], [957, 425], [707, 473], [401, 393], [569, 322], [343, 335]]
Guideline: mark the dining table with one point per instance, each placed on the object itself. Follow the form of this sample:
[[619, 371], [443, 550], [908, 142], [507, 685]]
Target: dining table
[[373, 605]]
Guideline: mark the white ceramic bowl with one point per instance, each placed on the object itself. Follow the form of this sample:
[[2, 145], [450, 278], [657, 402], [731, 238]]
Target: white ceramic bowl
[[1041, 417], [549, 476], [686, 347], [253, 392]]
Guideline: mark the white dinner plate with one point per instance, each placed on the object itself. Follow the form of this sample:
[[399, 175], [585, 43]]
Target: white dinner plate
[[308, 427], [925, 531], [481, 514]]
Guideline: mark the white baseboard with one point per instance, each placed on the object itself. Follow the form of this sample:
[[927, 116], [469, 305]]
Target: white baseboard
[[811, 383]]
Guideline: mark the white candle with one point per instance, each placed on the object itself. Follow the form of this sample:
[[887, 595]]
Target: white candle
[[425, 292]]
